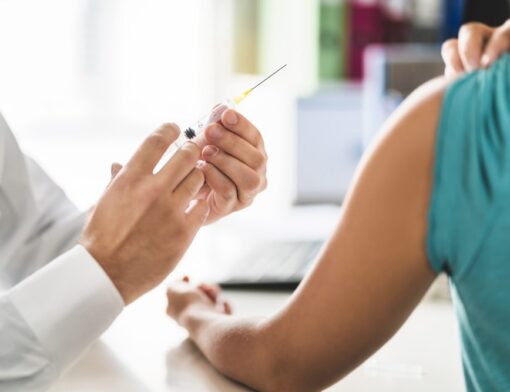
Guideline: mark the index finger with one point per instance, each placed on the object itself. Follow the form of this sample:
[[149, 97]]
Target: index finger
[[498, 44], [153, 147], [238, 124], [472, 40], [180, 165], [451, 57]]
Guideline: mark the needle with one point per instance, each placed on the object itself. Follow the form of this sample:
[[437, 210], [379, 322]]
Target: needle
[[241, 97]]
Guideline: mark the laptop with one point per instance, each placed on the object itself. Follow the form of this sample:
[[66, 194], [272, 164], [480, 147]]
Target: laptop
[[278, 265]]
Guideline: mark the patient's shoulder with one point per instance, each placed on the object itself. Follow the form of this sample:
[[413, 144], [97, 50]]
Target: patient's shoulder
[[423, 105], [412, 126]]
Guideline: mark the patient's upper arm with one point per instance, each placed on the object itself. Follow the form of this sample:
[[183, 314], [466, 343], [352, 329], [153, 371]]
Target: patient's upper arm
[[374, 269]]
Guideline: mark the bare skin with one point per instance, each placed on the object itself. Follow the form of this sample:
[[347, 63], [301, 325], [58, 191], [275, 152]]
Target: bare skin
[[368, 279], [234, 165], [371, 274], [145, 221], [477, 46]]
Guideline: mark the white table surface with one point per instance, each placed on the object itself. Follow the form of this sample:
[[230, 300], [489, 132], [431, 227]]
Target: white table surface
[[146, 351]]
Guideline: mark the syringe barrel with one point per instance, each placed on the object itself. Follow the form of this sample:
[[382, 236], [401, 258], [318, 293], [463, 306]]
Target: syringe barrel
[[212, 117], [194, 131], [176, 145]]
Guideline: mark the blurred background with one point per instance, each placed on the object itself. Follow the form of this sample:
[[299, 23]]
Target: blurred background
[[82, 82]]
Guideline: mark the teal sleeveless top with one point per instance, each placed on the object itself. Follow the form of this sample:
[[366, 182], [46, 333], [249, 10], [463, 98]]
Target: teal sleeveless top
[[469, 219]]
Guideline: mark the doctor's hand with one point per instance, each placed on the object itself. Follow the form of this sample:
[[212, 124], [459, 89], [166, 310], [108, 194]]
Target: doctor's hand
[[143, 223], [234, 164], [478, 46]]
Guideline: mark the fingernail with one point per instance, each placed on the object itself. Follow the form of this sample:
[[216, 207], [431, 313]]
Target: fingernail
[[231, 117], [210, 151], [486, 60], [215, 132]]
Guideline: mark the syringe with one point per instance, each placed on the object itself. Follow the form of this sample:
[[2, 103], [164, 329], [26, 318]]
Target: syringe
[[214, 116]]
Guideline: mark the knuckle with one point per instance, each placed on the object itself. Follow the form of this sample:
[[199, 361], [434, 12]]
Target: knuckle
[[448, 45], [501, 36], [253, 183], [227, 189], [260, 159], [230, 141], [190, 153], [258, 138], [187, 189], [197, 178], [157, 141], [154, 189], [199, 175], [264, 184], [469, 28], [126, 179], [209, 129], [245, 201], [168, 129]]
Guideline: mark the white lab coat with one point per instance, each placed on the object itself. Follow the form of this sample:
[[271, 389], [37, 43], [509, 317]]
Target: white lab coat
[[54, 297]]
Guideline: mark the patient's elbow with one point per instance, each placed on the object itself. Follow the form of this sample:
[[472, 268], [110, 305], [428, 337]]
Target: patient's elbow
[[285, 374]]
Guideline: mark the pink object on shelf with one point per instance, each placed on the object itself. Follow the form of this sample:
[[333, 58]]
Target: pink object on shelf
[[371, 23]]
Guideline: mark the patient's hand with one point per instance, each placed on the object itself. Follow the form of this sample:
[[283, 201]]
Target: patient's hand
[[184, 297], [234, 165], [478, 46]]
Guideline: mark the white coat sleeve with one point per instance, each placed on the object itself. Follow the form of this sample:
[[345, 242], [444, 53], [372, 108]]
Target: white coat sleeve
[[55, 299], [49, 319]]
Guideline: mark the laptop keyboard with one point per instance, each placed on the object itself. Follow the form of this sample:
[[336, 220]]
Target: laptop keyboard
[[275, 264]]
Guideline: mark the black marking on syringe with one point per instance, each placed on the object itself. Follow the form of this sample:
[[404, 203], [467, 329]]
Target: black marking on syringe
[[190, 133]]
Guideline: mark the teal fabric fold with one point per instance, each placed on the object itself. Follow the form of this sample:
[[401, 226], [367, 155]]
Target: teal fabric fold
[[469, 219]]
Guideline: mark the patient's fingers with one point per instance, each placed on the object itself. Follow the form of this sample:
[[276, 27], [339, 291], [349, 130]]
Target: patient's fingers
[[208, 291], [451, 57], [472, 39], [227, 307], [498, 44]]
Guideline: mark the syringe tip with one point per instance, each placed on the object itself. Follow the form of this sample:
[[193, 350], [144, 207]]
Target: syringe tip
[[237, 100]]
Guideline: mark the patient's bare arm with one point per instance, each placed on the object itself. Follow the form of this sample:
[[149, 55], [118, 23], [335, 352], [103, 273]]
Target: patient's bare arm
[[370, 276]]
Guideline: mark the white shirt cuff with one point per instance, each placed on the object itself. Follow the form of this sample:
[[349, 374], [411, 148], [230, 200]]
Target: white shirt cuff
[[68, 304]]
